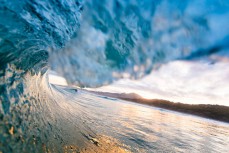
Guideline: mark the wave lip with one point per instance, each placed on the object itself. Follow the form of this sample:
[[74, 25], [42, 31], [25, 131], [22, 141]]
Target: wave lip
[[133, 37], [29, 32]]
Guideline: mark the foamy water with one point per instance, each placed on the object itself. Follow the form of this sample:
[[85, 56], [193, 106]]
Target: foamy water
[[192, 82], [93, 43]]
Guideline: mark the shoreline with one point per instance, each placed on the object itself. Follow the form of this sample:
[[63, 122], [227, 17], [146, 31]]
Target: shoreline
[[215, 112]]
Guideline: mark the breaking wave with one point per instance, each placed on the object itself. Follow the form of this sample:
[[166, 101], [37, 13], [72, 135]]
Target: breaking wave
[[90, 43]]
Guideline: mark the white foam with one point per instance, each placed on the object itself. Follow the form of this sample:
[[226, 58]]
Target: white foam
[[193, 82], [56, 79]]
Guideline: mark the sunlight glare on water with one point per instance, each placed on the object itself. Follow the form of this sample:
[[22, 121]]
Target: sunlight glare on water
[[148, 129]]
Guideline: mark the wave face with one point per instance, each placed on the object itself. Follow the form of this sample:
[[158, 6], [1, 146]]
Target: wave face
[[116, 39], [29, 30], [128, 39]]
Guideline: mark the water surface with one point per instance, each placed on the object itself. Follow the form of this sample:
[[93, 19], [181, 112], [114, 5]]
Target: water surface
[[149, 129]]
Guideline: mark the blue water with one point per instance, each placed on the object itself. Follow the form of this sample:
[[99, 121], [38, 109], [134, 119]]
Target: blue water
[[92, 43]]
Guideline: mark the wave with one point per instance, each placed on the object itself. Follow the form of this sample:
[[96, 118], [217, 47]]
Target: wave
[[129, 39], [90, 43]]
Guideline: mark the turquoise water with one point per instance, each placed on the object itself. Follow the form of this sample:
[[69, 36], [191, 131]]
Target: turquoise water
[[93, 43]]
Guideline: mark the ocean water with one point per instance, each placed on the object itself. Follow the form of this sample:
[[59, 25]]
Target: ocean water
[[95, 43]]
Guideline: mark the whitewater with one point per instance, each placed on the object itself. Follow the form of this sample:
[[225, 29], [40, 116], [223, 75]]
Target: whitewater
[[48, 48]]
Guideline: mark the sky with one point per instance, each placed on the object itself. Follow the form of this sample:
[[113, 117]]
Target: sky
[[203, 81]]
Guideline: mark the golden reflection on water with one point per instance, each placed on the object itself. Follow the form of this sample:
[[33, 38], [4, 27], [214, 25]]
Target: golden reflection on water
[[141, 128], [104, 144], [175, 131]]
